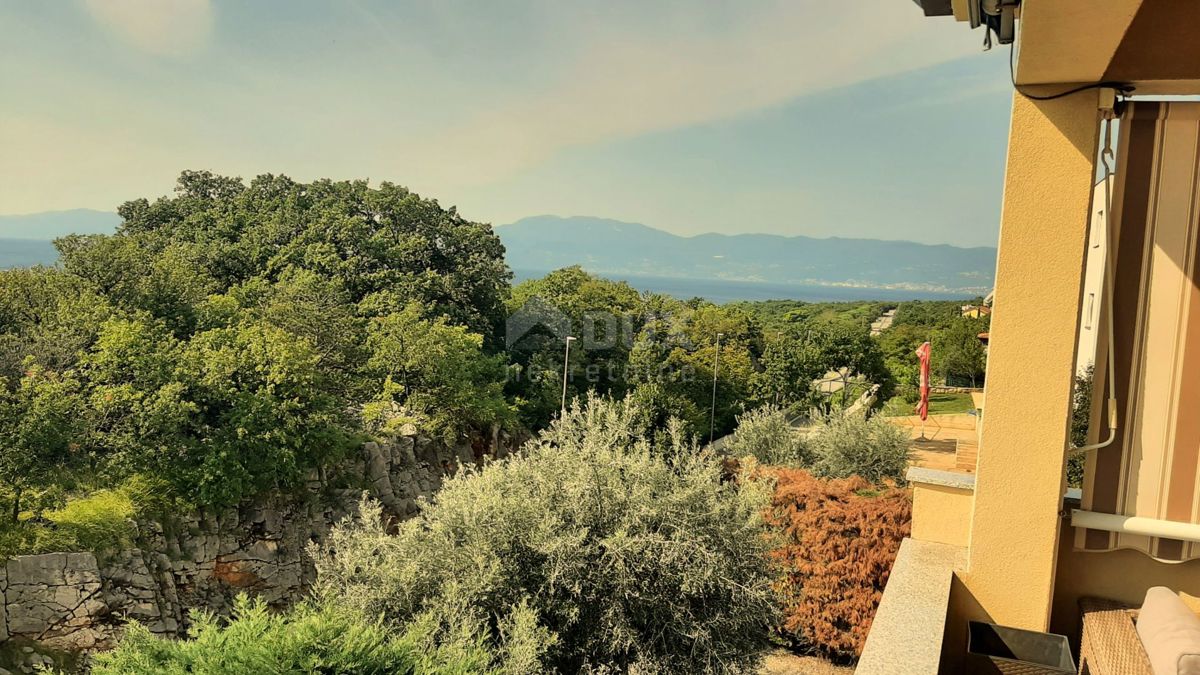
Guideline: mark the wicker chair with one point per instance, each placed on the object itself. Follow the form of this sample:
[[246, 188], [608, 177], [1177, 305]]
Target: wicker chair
[[1110, 643]]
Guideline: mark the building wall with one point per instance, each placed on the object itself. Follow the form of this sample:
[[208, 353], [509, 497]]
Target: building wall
[[1031, 362]]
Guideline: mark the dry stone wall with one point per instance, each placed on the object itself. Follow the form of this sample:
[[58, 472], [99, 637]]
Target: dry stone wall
[[78, 601]]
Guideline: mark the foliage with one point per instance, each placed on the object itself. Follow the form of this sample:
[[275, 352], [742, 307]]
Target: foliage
[[98, 522], [47, 317], [806, 352], [632, 556], [777, 315], [930, 314], [1081, 415], [958, 354], [39, 422], [840, 538], [604, 315], [856, 446], [677, 356], [381, 245], [766, 435], [221, 340], [899, 345], [228, 414], [436, 371], [307, 639]]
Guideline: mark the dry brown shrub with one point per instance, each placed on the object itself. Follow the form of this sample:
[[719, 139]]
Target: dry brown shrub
[[838, 541]]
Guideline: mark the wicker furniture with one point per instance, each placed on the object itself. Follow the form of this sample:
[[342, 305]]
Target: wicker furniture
[[1110, 643]]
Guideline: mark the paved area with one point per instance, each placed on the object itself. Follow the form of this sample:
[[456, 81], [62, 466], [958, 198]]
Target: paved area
[[944, 442]]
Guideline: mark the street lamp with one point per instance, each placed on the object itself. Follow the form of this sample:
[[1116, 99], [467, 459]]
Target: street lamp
[[566, 360], [712, 418]]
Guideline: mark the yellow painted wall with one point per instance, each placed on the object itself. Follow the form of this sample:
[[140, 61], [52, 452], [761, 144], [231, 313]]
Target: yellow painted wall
[[941, 514], [1039, 274]]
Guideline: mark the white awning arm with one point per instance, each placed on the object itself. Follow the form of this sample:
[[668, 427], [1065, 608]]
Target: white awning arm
[[1150, 527]]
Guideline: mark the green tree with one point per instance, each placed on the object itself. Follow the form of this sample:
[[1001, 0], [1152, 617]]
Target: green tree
[[385, 246], [39, 423], [230, 413], [958, 353], [48, 316], [899, 346], [437, 372], [604, 315], [677, 353]]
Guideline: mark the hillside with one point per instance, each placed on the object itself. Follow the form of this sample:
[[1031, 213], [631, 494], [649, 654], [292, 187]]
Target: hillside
[[612, 247]]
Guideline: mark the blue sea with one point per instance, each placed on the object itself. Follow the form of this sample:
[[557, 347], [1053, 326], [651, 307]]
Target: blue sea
[[721, 291]]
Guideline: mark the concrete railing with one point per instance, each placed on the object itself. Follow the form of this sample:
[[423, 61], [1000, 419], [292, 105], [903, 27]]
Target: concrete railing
[[906, 634]]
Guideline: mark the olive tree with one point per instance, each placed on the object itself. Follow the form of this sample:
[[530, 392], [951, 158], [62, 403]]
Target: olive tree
[[631, 556]]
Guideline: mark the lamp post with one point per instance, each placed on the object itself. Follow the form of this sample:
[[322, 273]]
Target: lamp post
[[566, 361], [712, 416]]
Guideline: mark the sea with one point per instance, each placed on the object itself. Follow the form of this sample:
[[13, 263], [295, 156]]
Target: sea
[[722, 291]]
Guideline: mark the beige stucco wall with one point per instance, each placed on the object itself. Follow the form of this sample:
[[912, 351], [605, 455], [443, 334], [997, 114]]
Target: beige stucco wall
[[1020, 474], [941, 514]]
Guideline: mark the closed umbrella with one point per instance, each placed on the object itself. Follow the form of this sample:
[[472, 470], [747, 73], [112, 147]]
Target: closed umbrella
[[923, 404]]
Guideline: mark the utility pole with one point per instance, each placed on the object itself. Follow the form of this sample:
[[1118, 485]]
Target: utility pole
[[712, 417], [566, 361]]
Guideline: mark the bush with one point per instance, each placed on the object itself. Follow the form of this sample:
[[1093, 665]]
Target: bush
[[839, 539], [854, 446], [306, 640], [628, 556], [766, 435], [98, 522]]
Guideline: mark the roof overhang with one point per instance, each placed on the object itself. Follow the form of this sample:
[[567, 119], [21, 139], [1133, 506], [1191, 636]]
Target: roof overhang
[[1150, 44]]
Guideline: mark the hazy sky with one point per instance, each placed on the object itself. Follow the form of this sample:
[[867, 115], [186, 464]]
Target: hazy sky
[[848, 118]]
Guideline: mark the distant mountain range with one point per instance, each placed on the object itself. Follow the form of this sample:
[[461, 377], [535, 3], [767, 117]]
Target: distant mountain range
[[616, 249], [641, 254]]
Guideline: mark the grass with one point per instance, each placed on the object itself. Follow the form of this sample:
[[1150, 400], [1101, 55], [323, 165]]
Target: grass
[[783, 662], [939, 404]]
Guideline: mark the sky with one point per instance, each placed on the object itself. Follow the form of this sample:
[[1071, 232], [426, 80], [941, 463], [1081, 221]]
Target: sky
[[798, 117]]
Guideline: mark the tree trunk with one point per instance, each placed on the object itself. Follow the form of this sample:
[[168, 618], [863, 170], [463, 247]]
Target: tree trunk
[[16, 506]]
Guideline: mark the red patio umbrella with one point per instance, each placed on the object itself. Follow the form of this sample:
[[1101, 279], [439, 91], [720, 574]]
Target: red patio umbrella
[[923, 405]]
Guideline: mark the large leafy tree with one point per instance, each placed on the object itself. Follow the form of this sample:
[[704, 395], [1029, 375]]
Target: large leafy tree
[[383, 245], [48, 316], [230, 413], [958, 354]]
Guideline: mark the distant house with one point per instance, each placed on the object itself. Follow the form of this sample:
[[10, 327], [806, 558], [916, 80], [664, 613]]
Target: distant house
[[976, 311]]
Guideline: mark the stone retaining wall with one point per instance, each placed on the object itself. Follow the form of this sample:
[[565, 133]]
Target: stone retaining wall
[[78, 601]]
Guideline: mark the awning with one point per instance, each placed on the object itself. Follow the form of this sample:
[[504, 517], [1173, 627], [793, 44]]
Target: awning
[[1149, 477]]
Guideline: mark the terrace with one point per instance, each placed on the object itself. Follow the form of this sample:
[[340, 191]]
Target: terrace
[[1008, 544]]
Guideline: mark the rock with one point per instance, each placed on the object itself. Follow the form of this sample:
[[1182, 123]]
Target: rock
[[70, 601]]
